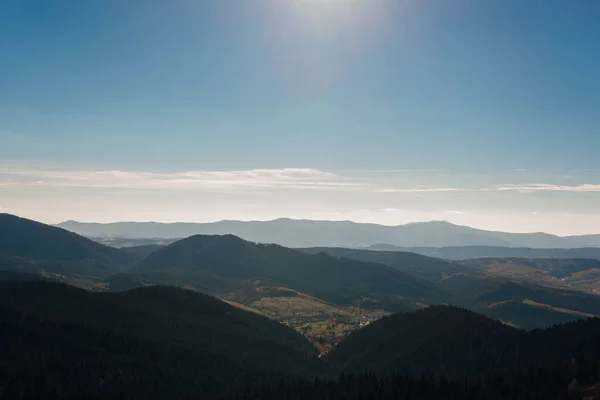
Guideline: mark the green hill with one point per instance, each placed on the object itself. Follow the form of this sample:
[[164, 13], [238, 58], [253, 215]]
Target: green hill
[[159, 341], [34, 247]]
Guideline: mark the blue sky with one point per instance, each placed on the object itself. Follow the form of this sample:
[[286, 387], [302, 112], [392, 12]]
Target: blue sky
[[475, 89]]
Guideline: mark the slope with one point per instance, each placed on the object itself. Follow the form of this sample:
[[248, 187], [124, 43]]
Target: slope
[[429, 268], [220, 264], [33, 246], [525, 305], [454, 342], [158, 341], [469, 252], [575, 273]]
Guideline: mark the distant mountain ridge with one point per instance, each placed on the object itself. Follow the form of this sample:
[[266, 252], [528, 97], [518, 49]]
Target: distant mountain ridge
[[324, 295], [308, 233], [470, 252]]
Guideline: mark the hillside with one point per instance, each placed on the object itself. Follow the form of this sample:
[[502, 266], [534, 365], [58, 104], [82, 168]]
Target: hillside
[[524, 305], [321, 296], [34, 247], [456, 342], [160, 342], [469, 252], [306, 233], [142, 251], [575, 273], [429, 268], [220, 264], [528, 293]]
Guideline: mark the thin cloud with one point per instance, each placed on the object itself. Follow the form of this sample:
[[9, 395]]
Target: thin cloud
[[523, 188], [535, 187], [420, 190], [289, 178], [266, 179]]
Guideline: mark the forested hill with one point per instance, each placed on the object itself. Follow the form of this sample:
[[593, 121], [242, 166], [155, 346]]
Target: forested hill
[[155, 342], [222, 262], [429, 268], [60, 342], [34, 246], [457, 342]]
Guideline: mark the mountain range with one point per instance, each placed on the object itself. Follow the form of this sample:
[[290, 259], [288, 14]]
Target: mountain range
[[285, 323], [307, 233], [324, 293]]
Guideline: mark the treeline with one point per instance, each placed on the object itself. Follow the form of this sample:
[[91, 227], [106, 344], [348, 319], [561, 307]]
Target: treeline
[[151, 343], [59, 342], [574, 381], [455, 342]]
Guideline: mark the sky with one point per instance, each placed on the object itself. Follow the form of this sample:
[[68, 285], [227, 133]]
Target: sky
[[482, 113]]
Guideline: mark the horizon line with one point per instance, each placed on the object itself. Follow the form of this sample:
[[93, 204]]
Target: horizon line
[[321, 220]]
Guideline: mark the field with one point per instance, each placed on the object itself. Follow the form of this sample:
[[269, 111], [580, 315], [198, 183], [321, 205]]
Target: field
[[324, 325], [582, 275]]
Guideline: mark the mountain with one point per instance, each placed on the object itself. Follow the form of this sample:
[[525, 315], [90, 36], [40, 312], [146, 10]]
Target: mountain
[[306, 233], [469, 252], [222, 264], [34, 247], [581, 274], [456, 342], [155, 342], [488, 285], [429, 268], [524, 305]]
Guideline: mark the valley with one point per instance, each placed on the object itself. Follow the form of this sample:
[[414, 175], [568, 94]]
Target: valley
[[323, 293]]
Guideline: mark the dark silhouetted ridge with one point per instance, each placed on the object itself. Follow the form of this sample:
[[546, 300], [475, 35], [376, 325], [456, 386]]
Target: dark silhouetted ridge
[[155, 342], [457, 342], [33, 245]]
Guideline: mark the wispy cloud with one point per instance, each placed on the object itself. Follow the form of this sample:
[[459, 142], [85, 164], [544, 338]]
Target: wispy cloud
[[284, 178], [535, 187], [291, 178], [523, 188]]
